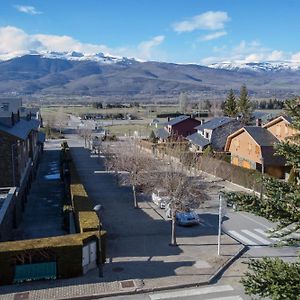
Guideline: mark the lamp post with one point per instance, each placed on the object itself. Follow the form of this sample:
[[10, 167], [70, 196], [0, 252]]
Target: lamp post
[[221, 212], [98, 209]]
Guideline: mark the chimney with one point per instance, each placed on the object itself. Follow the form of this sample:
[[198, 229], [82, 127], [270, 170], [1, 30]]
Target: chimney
[[168, 119], [258, 122], [202, 121], [18, 116]]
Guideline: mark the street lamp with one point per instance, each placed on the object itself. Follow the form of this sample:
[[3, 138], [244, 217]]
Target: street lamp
[[221, 214], [98, 208]]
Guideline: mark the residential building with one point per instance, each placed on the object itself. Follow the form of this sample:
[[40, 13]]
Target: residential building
[[214, 133], [178, 128], [280, 127], [10, 104], [252, 147]]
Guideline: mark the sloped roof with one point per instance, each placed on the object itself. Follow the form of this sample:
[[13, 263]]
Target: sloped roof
[[261, 135], [21, 129], [198, 139], [214, 123], [278, 119], [177, 120], [268, 153], [162, 133]]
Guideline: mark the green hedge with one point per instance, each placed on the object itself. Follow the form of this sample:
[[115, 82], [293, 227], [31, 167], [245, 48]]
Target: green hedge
[[66, 250], [87, 221]]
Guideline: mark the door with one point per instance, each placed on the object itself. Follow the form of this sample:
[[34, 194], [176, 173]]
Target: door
[[89, 256]]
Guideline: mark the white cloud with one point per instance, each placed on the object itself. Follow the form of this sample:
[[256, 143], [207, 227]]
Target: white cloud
[[62, 43], [275, 55], [213, 36], [246, 52], [145, 48], [27, 9], [295, 57], [16, 42], [210, 20]]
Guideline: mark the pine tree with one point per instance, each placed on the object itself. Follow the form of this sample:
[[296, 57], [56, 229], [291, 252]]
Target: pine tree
[[273, 279], [230, 105], [244, 104]]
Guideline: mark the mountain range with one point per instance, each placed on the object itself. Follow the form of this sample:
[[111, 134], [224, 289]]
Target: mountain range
[[74, 73]]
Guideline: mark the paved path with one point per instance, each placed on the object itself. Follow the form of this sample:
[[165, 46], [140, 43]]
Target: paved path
[[43, 210]]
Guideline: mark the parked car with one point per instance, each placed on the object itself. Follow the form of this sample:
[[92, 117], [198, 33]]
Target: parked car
[[184, 218], [187, 218], [160, 198]]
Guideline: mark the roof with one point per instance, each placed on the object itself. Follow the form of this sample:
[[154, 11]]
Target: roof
[[197, 139], [214, 123], [268, 153], [278, 119], [177, 120], [261, 135], [162, 133], [21, 129]]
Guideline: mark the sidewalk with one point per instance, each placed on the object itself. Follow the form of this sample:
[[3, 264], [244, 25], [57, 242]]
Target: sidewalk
[[139, 258]]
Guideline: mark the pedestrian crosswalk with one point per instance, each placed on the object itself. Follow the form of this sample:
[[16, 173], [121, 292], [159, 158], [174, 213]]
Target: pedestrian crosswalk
[[218, 292], [257, 237]]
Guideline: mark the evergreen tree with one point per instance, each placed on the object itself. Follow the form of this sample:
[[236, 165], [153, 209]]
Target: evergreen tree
[[273, 279], [244, 104], [230, 105]]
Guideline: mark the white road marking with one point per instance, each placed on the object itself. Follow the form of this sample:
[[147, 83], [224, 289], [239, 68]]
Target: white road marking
[[255, 221], [242, 238], [96, 156], [191, 292], [227, 298], [265, 234], [257, 237], [110, 172]]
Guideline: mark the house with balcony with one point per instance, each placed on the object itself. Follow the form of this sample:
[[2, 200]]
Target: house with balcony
[[177, 129], [214, 133]]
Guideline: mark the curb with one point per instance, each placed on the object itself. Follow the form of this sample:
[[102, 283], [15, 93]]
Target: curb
[[164, 288]]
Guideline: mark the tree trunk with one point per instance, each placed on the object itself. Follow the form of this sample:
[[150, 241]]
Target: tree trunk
[[134, 197], [173, 232]]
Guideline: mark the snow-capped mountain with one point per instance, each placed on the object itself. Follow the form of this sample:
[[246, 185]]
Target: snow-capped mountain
[[75, 73], [258, 66], [79, 56]]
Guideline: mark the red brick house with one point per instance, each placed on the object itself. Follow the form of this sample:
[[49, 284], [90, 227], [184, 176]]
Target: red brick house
[[178, 128]]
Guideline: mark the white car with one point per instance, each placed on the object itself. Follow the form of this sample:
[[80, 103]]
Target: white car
[[160, 198]]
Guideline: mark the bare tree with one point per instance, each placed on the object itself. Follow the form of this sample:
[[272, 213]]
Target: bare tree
[[183, 102], [184, 191], [86, 133], [139, 167], [60, 119]]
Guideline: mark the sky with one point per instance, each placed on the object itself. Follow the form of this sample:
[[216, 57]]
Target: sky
[[179, 31]]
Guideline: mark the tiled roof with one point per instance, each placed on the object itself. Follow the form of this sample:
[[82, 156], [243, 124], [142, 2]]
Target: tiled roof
[[214, 123], [198, 139], [177, 120], [261, 135], [162, 133], [21, 129]]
